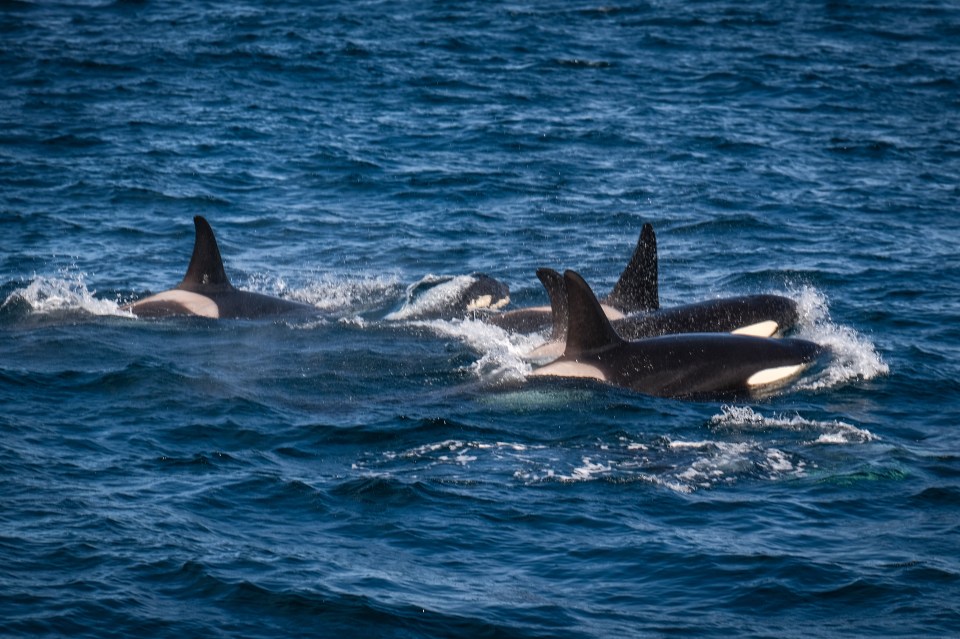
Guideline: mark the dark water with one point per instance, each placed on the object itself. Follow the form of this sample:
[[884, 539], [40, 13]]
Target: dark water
[[352, 475]]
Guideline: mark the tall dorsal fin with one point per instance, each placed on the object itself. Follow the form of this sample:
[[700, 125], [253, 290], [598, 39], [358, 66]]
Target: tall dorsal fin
[[637, 288], [557, 292], [205, 273], [588, 329]]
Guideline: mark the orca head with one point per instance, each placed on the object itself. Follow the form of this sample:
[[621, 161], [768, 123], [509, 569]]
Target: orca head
[[803, 354], [449, 297], [484, 293]]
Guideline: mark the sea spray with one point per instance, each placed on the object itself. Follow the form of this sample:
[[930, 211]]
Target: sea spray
[[852, 356]]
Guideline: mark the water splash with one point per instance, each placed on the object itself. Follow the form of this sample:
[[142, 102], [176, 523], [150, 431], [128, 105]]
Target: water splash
[[354, 295], [65, 293], [331, 294], [854, 357], [502, 354], [744, 418], [429, 295]]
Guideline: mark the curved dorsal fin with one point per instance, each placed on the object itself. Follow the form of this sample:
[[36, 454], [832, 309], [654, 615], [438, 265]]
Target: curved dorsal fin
[[557, 292], [588, 329], [636, 290], [205, 273]]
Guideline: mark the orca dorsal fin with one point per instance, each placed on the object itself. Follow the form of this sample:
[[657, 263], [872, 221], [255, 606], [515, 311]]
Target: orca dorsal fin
[[205, 273], [588, 329], [637, 289], [557, 292]]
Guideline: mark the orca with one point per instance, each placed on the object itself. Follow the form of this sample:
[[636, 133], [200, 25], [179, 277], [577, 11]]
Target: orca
[[206, 292], [449, 297], [635, 292], [758, 315], [691, 365]]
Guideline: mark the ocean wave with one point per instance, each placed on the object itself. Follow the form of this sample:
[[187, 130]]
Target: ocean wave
[[447, 452], [676, 464]]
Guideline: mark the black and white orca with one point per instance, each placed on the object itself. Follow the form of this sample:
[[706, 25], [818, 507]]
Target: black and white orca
[[452, 297], [756, 315], [634, 308], [206, 292], [692, 365]]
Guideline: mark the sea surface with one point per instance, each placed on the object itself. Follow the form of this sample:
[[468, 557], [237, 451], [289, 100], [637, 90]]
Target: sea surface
[[363, 473]]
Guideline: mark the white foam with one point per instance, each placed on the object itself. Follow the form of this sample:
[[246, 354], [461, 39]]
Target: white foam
[[724, 462], [66, 292], [331, 294], [421, 451], [501, 353], [778, 461], [450, 452], [694, 445], [589, 470], [828, 432], [675, 486], [681, 466], [853, 356]]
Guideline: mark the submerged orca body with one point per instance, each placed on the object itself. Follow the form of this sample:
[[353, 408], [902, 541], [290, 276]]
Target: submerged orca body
[[680, 365], [448, 297], [206, 292]]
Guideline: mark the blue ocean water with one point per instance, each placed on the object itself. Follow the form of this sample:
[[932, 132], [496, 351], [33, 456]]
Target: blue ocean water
[[359, 474]]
